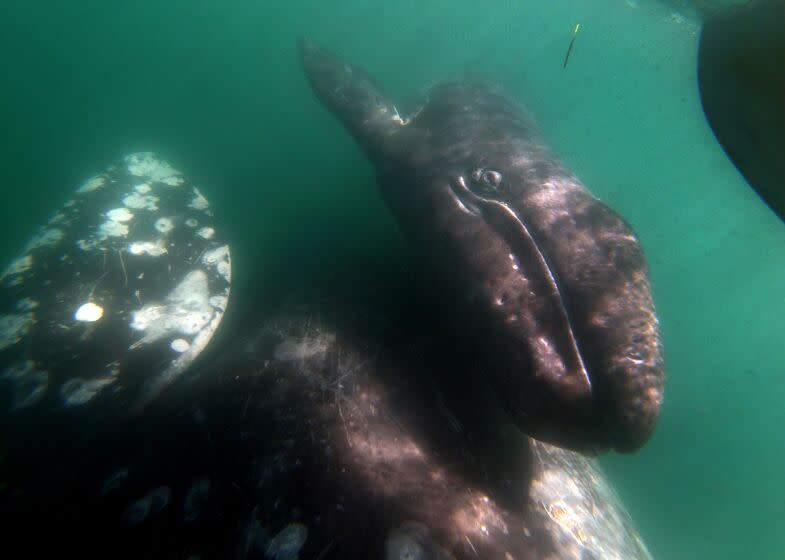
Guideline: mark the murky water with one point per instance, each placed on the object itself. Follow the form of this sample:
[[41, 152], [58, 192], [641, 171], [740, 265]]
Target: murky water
[[216, 89]]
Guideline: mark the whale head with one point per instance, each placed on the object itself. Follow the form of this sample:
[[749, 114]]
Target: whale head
[[547, 281]]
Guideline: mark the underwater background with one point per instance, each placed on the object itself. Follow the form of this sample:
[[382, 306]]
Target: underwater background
[[216, 89]]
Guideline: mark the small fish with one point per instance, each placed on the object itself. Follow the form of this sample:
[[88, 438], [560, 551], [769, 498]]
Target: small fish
[[572, 42]]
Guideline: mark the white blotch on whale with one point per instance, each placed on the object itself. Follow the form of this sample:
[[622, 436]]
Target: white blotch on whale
[[29, 383], [16, 269], [219, 302], [180, 345], [146, 165], [114, 481], [152, 503], [198, 202], [206, 232], [196, 498], [141, 201], [78, 391], [13, 327], [164, 225], [44, 237], [186, 311], [89, 312], [137, 512], [110, 228], [189, 311], [221, 260], [148, 247], [286, 545], [159, 498], [91, 184], [119, 214], [26, 304], [400, 546]]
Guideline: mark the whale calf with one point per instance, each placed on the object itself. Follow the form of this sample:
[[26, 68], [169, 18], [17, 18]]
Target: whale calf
[[549, 283]]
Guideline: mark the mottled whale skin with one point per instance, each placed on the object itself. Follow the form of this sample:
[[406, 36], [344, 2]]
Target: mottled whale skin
[[548, 280], [110, 301], [337, 427], [305, 440]]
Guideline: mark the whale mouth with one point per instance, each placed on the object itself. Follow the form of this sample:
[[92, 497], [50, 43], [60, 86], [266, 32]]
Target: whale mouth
[[596, 386], [527, 252]]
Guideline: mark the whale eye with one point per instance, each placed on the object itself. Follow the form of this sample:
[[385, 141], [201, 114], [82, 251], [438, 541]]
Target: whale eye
[[492, 178], [477, 174]]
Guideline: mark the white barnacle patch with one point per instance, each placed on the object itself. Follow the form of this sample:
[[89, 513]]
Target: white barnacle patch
[[180, 345], [190, 222], [198, 202], [57, 218], [89, 312], [196, 498], [148, 247], [78, 391], [152, 503], [286, 545], [87, 244], [206, 232], [119, 215], [47, 236], [115, 225], [114, 481], [141, 201], [219, 302], [400, 546], [173, 181], [91, 184], [220, 259], [26, 304], [143, 188], [186, 311], [110, 228], [164, 225], [145, 164], [29, 383], [136, 512], [17, 267], [13, 327]]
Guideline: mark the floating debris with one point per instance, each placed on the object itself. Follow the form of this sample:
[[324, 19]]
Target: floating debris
[[572, 42]]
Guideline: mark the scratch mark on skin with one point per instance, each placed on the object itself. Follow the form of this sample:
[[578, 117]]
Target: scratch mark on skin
[[471, 545], [122, 264], [325, 550], [343, 420]]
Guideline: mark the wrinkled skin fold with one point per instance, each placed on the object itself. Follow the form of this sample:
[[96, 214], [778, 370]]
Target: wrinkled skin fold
[[549, 283]]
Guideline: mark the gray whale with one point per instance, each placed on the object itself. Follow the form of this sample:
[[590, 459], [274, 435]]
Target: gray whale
[[550, 283], [334, 426]]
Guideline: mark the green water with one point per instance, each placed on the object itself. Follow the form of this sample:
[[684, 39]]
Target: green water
[[215, 88]]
